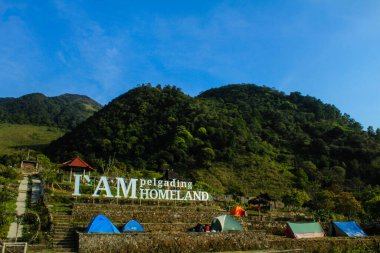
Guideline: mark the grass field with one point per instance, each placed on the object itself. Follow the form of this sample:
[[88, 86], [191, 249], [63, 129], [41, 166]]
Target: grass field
[[14, 138]]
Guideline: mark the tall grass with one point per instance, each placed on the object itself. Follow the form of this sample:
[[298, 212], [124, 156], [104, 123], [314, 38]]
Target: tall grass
[[14, 138]]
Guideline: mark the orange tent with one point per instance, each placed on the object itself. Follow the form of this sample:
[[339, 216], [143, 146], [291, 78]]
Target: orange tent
[[237, 211]]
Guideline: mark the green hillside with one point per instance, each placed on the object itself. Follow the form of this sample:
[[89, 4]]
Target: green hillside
[[65, 111], [18, 138], [237, 139]]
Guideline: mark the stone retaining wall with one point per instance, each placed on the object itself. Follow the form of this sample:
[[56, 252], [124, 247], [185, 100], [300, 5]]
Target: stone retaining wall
[[178, 227], [274, 227], [145, 214], [170, 242], [87, 199], [327, 244], [226, 241], [152, 227], [91, 206], [151, 217]]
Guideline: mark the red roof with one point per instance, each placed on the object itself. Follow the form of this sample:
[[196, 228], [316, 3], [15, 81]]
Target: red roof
[[78, 163]]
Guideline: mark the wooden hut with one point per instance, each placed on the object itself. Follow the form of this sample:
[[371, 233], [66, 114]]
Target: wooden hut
[[29, 166]]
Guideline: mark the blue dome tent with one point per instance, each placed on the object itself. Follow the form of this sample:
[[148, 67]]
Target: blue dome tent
[[133, 226], [101, 224]]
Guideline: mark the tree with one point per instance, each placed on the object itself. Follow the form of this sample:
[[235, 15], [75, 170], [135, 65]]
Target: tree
[[180, 143], [371, 131], [49, 170], [50, 176], [185, 134], [373, 207], [202, 186], [301, 179], [370, 196], [44, 161], [295, 198], [323, 200], [202, 132], [8, 173], [370, 192], [347, 204], [207, 156], [338, 175], [334, 176], [311, 170], [322, 215], [6, 194]]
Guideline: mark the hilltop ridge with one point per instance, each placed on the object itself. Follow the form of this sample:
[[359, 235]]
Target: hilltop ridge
[[237, 139], [64, 111]]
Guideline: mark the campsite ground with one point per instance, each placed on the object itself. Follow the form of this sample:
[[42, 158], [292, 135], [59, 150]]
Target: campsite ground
[[166, 223]]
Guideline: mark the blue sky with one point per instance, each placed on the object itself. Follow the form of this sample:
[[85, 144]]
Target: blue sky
[[323, 48]]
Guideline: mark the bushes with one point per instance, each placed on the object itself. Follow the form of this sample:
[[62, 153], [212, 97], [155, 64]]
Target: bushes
[[8, 195], [8, 173], [32, 226], [373, 206], [295, 198], [7, 212]]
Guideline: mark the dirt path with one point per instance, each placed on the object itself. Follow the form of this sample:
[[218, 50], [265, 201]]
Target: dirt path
[[14, 229]]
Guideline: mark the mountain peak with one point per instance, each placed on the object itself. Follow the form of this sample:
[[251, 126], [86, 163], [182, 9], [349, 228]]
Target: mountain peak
[[237, 139], [64, 111]]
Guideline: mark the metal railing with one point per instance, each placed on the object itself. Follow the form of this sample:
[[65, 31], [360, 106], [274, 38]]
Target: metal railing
[[14, 244]]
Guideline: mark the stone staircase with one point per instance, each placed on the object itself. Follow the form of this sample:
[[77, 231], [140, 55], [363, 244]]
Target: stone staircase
[[64, 238]]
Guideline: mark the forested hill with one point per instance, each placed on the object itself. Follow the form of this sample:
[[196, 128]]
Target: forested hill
[[239, 139], [65, 111]]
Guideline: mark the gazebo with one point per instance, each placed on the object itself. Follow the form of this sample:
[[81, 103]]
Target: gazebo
[[263, 200], [77, 165]]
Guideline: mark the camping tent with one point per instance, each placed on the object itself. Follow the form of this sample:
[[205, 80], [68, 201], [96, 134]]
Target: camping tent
[[198, 228], [101, 224], [133, 226], [225, 223], [304, 230], [237, 211], [349, 228]]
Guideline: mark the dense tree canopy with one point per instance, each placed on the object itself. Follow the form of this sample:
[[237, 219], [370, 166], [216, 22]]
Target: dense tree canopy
[[239, 139]]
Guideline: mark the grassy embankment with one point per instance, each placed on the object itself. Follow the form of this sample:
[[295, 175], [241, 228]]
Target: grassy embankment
[[6, 209], [14, 138]]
